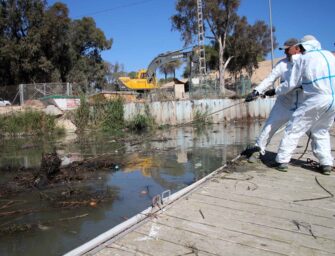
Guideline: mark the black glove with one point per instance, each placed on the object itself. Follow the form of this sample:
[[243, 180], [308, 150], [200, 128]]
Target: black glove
[[252, 96], [270, 92]]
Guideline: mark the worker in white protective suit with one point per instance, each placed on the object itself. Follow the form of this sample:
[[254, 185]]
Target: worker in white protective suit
[[284, 106], [316, 71]]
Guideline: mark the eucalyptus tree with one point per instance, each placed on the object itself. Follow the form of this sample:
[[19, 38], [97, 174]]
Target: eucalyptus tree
[[40, 43], [55, 41], [20, 46], [249, 44], [86, 43], [220, 18]]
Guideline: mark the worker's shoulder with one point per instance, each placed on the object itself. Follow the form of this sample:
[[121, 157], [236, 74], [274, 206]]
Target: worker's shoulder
[[282, 63]]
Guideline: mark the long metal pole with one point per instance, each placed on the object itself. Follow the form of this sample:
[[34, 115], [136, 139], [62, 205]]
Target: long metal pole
[[270, 11]]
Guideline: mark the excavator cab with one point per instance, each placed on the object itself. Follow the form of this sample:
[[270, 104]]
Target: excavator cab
[[139, 83]]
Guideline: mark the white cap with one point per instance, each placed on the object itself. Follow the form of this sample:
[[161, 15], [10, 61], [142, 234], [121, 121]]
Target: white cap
[[307, 38]]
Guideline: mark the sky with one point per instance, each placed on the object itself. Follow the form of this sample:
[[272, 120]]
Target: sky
[[142, 29]]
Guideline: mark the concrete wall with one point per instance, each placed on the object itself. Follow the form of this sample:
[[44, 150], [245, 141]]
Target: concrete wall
[[179, 112]]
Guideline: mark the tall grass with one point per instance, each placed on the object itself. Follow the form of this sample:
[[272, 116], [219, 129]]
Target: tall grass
[[114, 115], [82, 114], [142, 122], [106, 115], [28, 123], [201, 118]]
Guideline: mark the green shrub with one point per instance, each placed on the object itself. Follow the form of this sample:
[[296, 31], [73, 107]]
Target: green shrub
[[142, 122], [28, 123], [114, 115]]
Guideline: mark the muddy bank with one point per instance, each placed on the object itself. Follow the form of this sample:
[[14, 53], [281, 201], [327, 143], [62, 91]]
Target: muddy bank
[[51, 174]]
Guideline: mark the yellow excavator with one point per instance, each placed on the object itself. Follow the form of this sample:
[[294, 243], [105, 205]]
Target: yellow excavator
[[146, 78]]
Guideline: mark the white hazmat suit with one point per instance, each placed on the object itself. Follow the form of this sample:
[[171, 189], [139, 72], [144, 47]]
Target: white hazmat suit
[[316, 70], [285, 104]]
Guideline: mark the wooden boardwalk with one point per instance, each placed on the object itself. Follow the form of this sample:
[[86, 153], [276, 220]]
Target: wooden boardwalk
[[246, 209]]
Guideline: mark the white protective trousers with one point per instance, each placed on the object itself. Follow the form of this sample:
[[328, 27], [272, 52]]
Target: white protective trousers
[[318, 121], [284, 106], [316, 70], [280, 114]]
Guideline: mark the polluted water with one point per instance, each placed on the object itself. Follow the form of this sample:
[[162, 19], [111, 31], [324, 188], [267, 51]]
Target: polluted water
[[91, 184]]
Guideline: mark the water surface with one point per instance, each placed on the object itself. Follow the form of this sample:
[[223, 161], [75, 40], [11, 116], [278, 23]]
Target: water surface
[[167, 160]]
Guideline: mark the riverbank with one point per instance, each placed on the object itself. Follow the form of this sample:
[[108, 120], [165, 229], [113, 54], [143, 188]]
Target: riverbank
[[161, 112]]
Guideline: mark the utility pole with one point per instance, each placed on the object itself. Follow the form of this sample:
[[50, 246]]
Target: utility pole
[[201, 40], [270, 11]]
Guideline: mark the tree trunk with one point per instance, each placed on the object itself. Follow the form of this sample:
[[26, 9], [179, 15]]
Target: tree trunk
[[221, 68]]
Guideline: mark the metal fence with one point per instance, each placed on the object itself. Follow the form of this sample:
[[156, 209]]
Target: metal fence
[[39, 90], [210, 88], [242, 86], [204, 88]]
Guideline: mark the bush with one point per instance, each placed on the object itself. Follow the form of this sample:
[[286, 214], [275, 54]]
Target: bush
[[142, 122], [28, 123], [114, 115]]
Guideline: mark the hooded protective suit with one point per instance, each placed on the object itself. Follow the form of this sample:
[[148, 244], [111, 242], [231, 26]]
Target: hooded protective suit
[[316, 70], [285, 104]]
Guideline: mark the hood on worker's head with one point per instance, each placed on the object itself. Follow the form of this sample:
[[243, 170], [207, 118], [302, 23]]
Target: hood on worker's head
[[310, 43]]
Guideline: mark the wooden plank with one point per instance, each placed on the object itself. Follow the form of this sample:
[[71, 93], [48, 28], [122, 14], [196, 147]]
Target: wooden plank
[[275, 219], [298, 207], [220, 233], [276, 178], [117, 250], [149, 245], [224, 236], [205, 242], [190, 211], [307, 181], [251, 187]]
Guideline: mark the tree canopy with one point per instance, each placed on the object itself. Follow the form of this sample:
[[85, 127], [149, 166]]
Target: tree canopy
[[40, 43], [229, 32]]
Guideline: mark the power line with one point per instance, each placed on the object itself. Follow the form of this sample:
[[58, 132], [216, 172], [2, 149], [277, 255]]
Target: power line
[[115, 8]]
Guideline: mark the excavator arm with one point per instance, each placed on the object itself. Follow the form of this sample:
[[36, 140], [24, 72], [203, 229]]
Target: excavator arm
[[164, 58], [146, 79]]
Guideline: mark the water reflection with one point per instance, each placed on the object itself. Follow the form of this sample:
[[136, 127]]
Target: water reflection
[[170, 159]]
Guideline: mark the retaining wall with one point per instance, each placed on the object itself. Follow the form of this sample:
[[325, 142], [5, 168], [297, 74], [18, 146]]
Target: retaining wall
[[178, 112]]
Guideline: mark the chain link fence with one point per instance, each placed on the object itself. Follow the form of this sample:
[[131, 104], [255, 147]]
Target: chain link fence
[[204, 88], [210, 88]]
